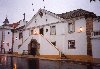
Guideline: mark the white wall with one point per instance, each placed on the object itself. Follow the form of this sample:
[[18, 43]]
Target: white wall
[[17, 41], [7, 39], [26, 34], [80, 39], [42, 21], [96, 48], [45, 47], [96, 42], [96, 25]]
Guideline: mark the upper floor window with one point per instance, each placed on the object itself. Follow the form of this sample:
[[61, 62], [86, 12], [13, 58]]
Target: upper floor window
[[71, 27], [53, 30], [31, 32], [71, 44], [20, 35], [8, 32]]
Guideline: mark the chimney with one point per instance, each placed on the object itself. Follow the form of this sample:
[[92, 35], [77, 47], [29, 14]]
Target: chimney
[[24, 17]]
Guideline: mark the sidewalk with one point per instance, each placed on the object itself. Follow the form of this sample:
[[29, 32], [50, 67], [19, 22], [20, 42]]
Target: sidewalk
[[52, 59]]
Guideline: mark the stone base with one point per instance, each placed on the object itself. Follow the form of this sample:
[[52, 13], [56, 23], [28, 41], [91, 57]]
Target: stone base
[[84, 58]]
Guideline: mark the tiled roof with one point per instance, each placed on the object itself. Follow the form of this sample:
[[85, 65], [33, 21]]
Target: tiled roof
[[76, 13], [14, 25]]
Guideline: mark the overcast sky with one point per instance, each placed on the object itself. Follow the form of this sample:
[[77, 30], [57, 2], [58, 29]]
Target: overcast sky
[[14, 9]]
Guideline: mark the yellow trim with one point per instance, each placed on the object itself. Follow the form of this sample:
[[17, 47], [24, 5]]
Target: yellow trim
[[85, 58], [50, 56]]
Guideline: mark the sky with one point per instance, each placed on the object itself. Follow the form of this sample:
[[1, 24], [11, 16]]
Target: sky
[[14, 9]]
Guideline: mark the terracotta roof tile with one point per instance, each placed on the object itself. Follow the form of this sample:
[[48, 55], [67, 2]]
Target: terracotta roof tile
[[75, 13], [14, 25]]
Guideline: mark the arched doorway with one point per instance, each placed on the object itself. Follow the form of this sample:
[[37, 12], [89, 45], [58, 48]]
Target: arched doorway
[[33, 47]]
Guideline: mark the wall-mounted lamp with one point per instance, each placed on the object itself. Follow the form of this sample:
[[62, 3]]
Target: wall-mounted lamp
[[3, 42], [35, 32], [81, 29]]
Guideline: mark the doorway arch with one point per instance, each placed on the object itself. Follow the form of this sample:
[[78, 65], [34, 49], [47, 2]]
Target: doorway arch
[[33, 47]]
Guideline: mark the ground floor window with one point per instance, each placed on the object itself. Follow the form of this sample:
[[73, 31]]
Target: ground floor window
[[71, 44], [54, 43]]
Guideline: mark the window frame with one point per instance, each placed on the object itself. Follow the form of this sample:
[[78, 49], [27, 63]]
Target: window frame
[[20, 35], [53, 30], [71, 27], [71, 45]]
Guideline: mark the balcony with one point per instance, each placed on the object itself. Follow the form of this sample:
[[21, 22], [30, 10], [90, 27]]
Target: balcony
[[95, 35]]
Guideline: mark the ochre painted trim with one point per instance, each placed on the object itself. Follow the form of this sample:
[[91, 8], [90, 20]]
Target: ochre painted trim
[[50, 56], [84, 58]]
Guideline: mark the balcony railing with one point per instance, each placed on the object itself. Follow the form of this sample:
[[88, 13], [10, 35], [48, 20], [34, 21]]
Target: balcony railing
[[95, 34]]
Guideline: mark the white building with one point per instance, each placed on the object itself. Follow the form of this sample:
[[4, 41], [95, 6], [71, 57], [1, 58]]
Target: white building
[[72, 34]]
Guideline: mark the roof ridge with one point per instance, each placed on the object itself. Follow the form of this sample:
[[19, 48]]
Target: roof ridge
[[76, 13]]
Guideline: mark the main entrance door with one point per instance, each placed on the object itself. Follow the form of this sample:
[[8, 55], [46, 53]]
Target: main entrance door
[[33, 47]]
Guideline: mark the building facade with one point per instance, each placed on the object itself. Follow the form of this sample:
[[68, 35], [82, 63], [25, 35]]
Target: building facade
[[74, 35]]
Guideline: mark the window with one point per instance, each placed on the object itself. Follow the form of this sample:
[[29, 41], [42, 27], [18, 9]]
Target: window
[[96, 33], [71, 27], [53, 30], [8, 32], [46, 19], [31, 32], [35, 20], [54, 43], [46, 30], [20, 35], [71, 44]]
